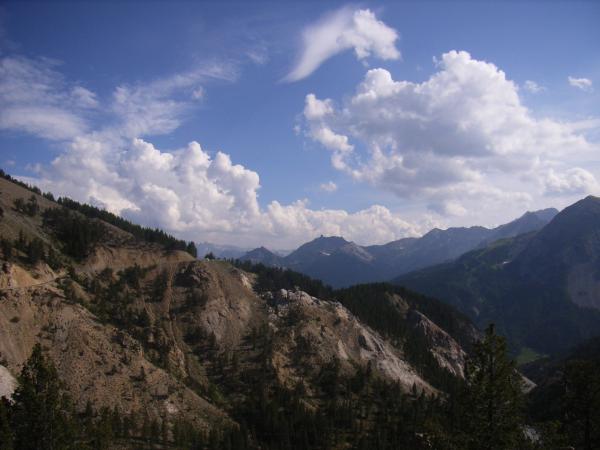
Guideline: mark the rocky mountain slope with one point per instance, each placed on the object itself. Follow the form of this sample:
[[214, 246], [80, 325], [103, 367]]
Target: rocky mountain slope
[[340, 263], [540, 288], [135, 326]]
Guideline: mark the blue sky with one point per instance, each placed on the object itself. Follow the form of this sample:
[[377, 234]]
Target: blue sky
[[423, 114]]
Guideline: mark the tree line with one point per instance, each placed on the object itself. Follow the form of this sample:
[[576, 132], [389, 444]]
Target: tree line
[[148, 234]]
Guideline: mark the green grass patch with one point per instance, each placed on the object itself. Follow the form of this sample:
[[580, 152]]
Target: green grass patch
[[527, 355]]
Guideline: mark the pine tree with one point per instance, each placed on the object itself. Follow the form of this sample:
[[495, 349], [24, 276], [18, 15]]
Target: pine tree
[[19, 204], [35, 251], [7, 248], [493, 397], [39, 415], [581, 403], [191, 249], [21, 242], [32, 207]]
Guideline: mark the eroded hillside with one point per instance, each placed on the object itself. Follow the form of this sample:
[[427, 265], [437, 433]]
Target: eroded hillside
[[139, 327]]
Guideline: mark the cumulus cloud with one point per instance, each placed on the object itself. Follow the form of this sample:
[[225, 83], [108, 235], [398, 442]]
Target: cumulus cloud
[[585, 84], [574, 181], [448, 208], [462, 133], [185, 191], [376, 224], [343, 30], [330, 186], [533, 87], [199, 196]]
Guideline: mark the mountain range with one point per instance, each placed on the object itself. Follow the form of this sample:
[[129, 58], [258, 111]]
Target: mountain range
[[341, 263], [541, 289]]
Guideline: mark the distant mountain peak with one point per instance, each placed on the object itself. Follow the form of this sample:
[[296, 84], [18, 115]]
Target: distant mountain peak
[[340, 262], [263, 255], [591, 198], [546, 214], [329, 239]]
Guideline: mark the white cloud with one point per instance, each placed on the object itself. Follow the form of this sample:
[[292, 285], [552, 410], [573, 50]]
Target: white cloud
[[462, 134], [574, 181], [198, 93], [200, 197], [331, 140], [376, 224], [343, 30], [158, 107], [448, 208], [35, 100], [317, 109], [330, 186], [533, 87], [84, 97], [585, 84], [258, 54], [47, 121]]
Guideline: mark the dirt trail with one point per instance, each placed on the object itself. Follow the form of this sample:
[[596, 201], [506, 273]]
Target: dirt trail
[[16, 288]]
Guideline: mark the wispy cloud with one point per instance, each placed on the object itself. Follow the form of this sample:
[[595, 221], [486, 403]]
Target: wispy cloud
[[158, 107], [533, 87], [36, 99], [343, 30], [330, 186], [585, 84], [258, 54]]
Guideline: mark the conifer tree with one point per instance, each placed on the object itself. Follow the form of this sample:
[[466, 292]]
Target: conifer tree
[[39, 415], [581, 403], [7, 248], [191, 249], [493, 398]]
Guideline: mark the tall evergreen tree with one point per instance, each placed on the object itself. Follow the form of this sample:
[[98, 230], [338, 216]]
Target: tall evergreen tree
[[581, 403], [493, 397], [39, 415]]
